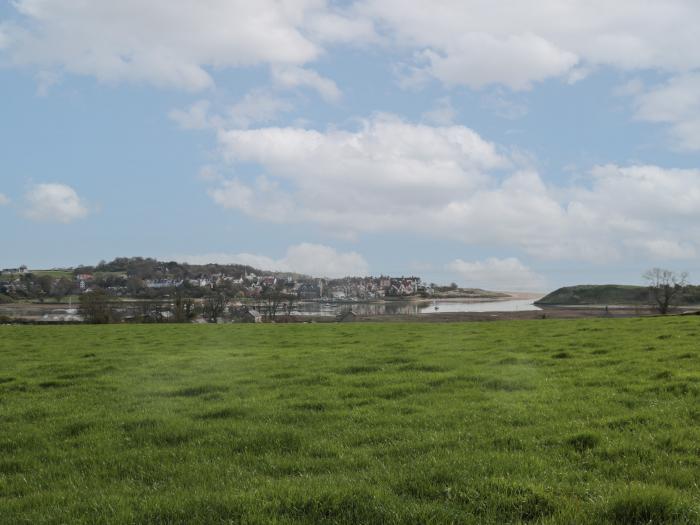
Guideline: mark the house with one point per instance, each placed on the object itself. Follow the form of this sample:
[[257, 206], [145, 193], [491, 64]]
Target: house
[[269, 281], [309, 291], [243, 314], [162, 283], [13, 271], [254, 316]]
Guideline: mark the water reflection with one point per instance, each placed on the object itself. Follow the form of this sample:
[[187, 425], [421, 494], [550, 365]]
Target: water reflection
[[416, 307]]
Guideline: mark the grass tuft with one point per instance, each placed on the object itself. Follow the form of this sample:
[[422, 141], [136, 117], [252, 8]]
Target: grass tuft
[[584, 441], [647, 505]]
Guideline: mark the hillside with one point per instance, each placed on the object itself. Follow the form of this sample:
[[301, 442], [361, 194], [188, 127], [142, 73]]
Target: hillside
[[612, 294]]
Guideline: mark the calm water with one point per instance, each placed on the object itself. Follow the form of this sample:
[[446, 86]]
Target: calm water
[[415, 308], [62, 313]]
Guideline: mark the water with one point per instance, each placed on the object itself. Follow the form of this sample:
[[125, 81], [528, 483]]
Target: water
[[416, 307]]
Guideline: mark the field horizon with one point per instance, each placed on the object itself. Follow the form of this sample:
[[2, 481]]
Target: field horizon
[[556, 421]]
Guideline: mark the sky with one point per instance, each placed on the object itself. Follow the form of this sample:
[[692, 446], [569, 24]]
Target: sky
[[499, 144]]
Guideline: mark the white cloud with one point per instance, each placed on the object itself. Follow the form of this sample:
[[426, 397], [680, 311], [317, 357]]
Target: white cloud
[[316, 259], [515, 43], [345, 27], [54, 203], [196, 116], [391, 175], [4, 200], [367, 180], [665, 249], [306, 258], [442, 114], [161, 42], [459, 42], [291, 77], [477, 60], [677, 103], [258, 107], [497, 274]]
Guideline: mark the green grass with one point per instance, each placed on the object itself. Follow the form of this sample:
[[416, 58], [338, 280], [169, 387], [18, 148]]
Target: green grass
[[56, 274], [586, 421]]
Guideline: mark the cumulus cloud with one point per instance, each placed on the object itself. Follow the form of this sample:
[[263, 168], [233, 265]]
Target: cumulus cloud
[[676, 103], [4, 200], [472, 43], [306, 258], [497, 274], [164, 43], [365, 180], [514, 43], [392, 175], [477, 60], [292, 77], [54, 203]]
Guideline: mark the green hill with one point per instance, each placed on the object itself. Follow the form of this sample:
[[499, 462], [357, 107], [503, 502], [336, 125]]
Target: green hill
[[616, 294]]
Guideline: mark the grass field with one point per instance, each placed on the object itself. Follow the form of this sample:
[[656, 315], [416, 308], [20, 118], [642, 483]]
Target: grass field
[[586, 421]]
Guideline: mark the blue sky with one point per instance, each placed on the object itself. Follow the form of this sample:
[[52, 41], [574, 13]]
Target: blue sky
[[490, 144]]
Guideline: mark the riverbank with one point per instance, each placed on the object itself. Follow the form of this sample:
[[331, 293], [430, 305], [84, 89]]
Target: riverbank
[[392, 312]]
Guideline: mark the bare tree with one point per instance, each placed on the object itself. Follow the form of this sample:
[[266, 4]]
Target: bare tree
[[184, 309], [95, 307], [289, 306], [274, 298], [664, 287], [214, 306]]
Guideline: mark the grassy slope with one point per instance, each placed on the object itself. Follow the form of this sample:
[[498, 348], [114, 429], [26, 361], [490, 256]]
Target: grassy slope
[[597, 294], [56, 274], [612, 294], [586, 421]]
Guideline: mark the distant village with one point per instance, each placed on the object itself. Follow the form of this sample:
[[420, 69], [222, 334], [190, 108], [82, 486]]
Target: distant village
[[145, 278]]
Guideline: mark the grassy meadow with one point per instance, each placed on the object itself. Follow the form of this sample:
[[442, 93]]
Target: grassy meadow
[[586, 421]]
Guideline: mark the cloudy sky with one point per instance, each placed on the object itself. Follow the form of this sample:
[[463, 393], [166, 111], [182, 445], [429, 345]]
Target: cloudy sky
[[501, 143]]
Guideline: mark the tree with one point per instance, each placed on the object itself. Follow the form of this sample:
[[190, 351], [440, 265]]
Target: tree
[[44, 283], [273, 296], [289, 306], [61, 288], [214, 306], [184, 309], [95, 307], [664, 287]]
